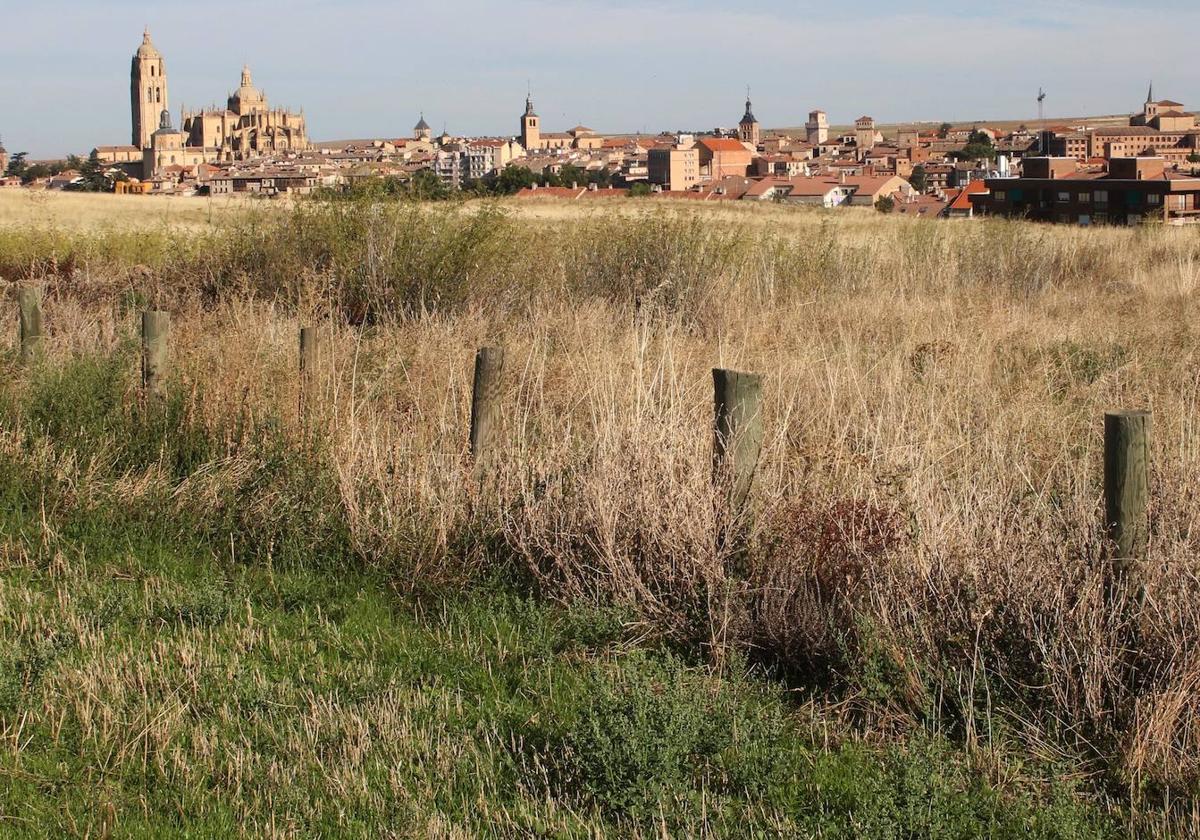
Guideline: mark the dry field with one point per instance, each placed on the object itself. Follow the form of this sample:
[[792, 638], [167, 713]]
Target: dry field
[[924, 549]]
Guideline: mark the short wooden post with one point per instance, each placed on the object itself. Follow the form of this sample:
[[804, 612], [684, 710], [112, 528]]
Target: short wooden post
[[29, 302], [485, 401], [308, 364], [1127, 486], [738, 432], [156, 326]]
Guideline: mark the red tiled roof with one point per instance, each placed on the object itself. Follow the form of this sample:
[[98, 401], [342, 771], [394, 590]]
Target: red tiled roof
[[962, 201], [722, 144]]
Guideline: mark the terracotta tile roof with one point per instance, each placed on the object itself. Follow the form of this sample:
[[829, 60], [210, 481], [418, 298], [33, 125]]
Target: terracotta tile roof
[[762, 187], [812, 186], [962, 201], [722, 144]]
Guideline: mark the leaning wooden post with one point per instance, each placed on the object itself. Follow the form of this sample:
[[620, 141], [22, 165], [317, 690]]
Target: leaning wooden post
[[738, 432], [485, 402], [156, 326], [1127, 486], [308, 364], [29, 302]]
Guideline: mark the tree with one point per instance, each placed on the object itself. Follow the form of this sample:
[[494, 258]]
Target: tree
[[919, 178], [979, 147], [1194, 157], [512, 179], [571, 174], [640, 190], [885, 204], [17, 165], [425, 185], [602, 178], [944, 130], [94, 174]]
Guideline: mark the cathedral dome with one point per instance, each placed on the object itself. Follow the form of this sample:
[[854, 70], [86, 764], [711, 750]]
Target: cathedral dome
[[164, 123], [147, 49]]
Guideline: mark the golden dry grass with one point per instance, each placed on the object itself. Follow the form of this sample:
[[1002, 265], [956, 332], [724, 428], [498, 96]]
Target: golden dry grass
[[23, 208], [928, 499]]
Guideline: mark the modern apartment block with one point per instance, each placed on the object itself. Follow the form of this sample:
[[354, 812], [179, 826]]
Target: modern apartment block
[[1132, 191], [674, 168]]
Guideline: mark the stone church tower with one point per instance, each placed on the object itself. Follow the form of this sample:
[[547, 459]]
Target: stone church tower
[[148, 91], [531, 132], [748, 128]]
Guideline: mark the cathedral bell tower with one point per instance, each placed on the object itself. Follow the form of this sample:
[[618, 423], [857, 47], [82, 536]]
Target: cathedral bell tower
[[531, 132], [147, 91]]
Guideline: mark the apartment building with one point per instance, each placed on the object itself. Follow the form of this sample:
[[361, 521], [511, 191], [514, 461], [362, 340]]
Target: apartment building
[[674, 168], [1133, 190]]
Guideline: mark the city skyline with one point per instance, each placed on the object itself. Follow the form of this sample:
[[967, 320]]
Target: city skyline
[[610, 65]]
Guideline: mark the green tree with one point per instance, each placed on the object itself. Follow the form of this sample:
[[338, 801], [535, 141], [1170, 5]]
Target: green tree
[[512, 179], [17, 165], [919, 178], [572, 174], [425, 185], [640, 190], [1194, 157], [885, 204], [979, 147], [94, 174], [601, 178], [944, 130]]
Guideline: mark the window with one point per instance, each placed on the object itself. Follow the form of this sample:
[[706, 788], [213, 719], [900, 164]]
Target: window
[[1000, 195], [1064, 197], [1153, 198], [1101, 196], [1085, 198]]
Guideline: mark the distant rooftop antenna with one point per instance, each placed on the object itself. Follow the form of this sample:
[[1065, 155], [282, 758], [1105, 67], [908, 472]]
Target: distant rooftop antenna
[[1042, 108]]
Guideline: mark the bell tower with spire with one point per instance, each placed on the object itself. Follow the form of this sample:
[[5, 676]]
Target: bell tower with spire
[[147, 91], [531, 132], [748, 129]]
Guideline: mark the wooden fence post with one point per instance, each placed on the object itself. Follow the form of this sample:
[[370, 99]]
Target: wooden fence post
[[485, 401], [29, 302], [156, 326], [738, 432], [308, 364], [1127, 486]]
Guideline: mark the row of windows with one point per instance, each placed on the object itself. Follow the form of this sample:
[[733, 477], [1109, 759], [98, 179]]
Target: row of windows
[[1099, 197]]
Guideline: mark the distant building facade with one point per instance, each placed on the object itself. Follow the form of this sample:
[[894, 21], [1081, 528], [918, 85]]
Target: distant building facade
[[1134, 190], [674, 168], [817, 128], [749, 130], [247, 127]]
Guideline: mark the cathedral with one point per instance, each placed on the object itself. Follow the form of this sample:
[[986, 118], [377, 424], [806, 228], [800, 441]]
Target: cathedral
[[246, 128]]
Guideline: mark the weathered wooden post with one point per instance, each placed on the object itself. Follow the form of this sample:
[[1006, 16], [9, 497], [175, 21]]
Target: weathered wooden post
[[29, 302], [156, 326], [1127, 486], [738, 432], [308, 364], [485, 402]]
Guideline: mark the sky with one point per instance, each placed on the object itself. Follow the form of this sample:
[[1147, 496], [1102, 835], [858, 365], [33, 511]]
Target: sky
[[369, 68]]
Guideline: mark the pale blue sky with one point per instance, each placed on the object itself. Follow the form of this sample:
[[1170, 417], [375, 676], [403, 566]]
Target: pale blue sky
[[367, 68]]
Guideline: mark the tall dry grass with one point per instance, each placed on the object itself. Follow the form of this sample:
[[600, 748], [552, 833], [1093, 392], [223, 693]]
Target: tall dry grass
[[925, 542]]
